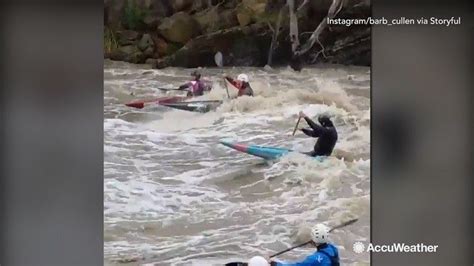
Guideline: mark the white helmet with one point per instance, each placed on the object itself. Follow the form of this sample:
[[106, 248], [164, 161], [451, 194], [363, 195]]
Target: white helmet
[[258, 261], [243, 77], [320, 234]]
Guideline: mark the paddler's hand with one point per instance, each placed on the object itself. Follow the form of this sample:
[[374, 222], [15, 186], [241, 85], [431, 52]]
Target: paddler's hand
[[272, 263], [302, 115]]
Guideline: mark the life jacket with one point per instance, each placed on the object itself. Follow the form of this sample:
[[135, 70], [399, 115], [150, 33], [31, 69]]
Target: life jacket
[[334, 259], [197, 88]]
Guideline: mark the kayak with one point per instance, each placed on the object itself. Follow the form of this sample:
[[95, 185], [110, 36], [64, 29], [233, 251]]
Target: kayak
[[194, 106], [267, 153], [161, 100], [232, 88]]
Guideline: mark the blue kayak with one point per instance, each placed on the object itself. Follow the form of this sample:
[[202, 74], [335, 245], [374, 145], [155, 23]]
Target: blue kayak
[[267, 153]]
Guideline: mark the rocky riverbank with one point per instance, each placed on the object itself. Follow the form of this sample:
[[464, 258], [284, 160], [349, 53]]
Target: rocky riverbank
[[188, 33]]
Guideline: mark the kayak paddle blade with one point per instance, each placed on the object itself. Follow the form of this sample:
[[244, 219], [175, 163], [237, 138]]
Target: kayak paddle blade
[[218, 59]]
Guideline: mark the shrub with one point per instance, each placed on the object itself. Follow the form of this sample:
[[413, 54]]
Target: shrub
[[133, 16], [110, 40]]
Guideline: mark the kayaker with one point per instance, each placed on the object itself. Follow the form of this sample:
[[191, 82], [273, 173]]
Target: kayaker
[[195, 87], [242, 84], [326, 134], [326, 254]]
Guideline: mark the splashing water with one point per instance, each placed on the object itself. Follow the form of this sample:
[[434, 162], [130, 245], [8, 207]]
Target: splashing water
[[173, 195]]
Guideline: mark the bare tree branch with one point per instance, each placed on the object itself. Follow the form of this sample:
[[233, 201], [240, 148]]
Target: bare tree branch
[[270, 26], [334, 9], [302, 5], [295, 42], [275, 35]]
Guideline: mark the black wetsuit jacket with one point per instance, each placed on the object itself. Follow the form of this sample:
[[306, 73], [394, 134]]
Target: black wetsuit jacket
[[327, 137]]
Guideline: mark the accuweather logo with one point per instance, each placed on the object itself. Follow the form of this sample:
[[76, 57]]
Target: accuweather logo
[[359, 247]]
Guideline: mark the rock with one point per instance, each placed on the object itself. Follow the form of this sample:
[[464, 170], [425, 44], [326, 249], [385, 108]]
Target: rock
[[127, 37], [244, 16], [151, 22], [257, 6], [157, 8], [145, 42], [161, 46], [148, 52], [160, 63], [207, 20], [199, 5], [172, 47], [255, 11], [180, 5], [179, 28], [246, 52], [238, 49], [216, 18], [136, 58], [128, 49], [228, 19], [151, 61], [128, 53]]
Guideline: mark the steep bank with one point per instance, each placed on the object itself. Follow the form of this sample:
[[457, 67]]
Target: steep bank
[[188, 33]]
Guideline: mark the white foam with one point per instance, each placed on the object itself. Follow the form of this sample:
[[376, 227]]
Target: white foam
[[169, 184]]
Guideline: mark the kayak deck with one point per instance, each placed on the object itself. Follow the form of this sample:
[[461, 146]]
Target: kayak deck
[[194, 106], [162, 100], [267, 153]]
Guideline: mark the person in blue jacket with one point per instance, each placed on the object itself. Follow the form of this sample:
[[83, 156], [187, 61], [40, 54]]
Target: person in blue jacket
[[326, 254]]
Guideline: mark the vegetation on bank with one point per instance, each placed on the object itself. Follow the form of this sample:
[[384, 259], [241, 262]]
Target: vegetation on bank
[[133, 16], [110, 40]]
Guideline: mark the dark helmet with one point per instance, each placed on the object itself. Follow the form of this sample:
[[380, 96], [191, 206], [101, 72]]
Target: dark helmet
[[325, 121], [196, 74]]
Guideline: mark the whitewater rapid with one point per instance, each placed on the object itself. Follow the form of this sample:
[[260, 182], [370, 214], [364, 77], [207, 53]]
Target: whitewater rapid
[[174, 196]]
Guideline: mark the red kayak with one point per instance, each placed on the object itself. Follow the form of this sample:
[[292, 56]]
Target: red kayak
[[168, 99]]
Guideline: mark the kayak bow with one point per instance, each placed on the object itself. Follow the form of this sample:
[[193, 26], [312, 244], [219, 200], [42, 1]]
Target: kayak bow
[[161, 100], [267, 153]]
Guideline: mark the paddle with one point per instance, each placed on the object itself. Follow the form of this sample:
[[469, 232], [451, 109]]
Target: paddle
[[303, 244], [226, 88], [168, 89], [219, 59], [296, 126]]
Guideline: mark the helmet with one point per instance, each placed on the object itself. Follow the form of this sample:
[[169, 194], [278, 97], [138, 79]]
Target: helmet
[[325, 121], [243, 77], [258, 261], [320, 234], [196, 74]]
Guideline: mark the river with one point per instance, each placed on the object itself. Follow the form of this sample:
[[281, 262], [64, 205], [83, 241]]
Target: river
[[174, 196]]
